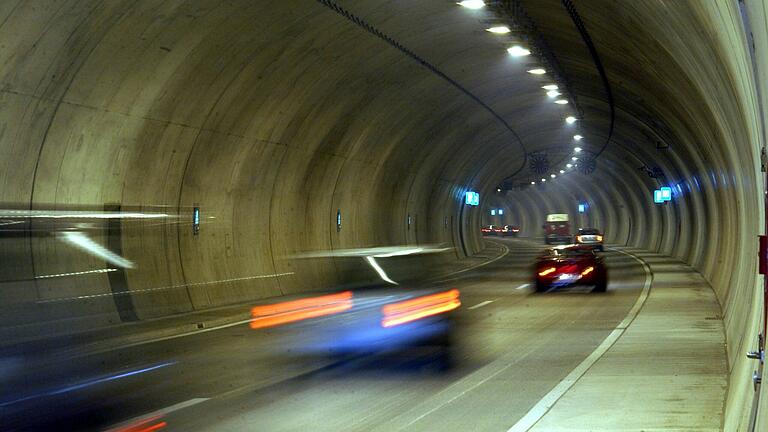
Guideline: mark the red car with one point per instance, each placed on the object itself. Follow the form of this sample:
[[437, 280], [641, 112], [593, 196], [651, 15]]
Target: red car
[[570, 265], [488, 230]]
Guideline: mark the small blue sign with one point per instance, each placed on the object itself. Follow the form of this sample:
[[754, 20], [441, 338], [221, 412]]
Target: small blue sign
[[472, 198], [501, 211], [582, 208], [662, 195], [493, 212], [666, 193]]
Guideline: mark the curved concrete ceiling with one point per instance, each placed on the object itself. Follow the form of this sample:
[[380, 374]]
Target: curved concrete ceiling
[[272, 116]]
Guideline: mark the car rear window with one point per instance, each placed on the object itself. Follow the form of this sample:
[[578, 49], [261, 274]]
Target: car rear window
[[572, 252], [589, 231]]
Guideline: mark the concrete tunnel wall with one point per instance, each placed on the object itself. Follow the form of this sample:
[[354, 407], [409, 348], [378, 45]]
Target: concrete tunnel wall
[[272, 115]]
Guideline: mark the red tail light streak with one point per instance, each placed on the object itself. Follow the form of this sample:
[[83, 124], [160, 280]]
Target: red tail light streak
[[297, 310], [420, 307]]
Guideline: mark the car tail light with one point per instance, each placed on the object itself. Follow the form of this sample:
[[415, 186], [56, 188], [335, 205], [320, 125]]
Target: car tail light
[[297, 310], [419, 307], [578, 239], [587, 271], [515, 230], [547, 271]]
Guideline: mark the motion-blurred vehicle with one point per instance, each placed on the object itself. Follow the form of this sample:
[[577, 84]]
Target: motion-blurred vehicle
[[557, 229], [487, 230], [590, 237], [510, 230], [365, 320], [570, 265]]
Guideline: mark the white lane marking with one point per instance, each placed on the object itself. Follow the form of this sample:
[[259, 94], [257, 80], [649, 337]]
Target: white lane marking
[[523, 286], [479, 305], [159, 413], [535, 414]]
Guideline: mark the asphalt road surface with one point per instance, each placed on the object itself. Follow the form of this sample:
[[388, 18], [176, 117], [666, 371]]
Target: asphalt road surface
[[511, 347]]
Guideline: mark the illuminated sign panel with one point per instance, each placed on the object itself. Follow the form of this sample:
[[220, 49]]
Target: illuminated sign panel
[[582, 208], [501, 211], [662, 195], [493, 212], [196, 220], [472, 198]]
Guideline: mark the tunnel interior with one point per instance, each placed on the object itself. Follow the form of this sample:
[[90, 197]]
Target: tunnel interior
[[287, 127]]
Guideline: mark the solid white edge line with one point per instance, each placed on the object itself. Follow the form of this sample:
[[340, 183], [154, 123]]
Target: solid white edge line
[[159, 413], [523, 286], [479, 305], [538, 411]]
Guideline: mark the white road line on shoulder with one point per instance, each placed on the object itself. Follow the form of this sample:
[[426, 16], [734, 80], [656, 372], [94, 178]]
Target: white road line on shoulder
[[549, 400], [523, 286], [160, 413], [479, 305]]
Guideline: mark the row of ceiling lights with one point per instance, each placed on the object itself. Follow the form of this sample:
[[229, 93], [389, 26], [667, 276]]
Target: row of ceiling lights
[[552, 89]]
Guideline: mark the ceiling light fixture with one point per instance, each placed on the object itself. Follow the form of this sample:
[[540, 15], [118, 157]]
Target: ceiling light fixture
[[537, 71], [577, 137], [568, 165], [550, 87], [552, 175], [498, 30], [561, 101], [543, 180], [518, 51], [562, 171], [471, 4], [553, 93], [533, 183], [577, 149], [574, 158], [570, 119]]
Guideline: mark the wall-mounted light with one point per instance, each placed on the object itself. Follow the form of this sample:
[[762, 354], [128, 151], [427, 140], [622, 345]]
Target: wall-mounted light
[[552, 175], [577, 137], [553, 93], [570, 119], [562, 171], [537, 71], [568, 165], [561, 101], [577, 149], [338, 220], [574, 158], [550, 87], [533, 182]]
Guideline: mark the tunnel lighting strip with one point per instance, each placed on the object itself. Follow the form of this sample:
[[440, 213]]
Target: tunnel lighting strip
[[432, 68], [571, 8], [61, 299]]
